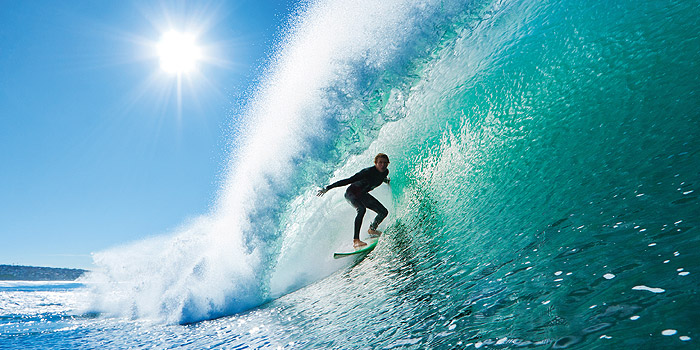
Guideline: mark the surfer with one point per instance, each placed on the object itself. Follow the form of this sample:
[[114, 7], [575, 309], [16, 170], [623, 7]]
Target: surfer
[[358, 195]]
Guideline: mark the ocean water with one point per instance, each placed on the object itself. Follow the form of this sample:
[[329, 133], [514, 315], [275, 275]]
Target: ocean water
[[544, 165]]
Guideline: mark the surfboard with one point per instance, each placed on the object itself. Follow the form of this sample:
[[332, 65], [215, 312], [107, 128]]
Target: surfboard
[[371, 243]]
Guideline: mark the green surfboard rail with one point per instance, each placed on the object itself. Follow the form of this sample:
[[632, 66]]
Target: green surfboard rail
[[370, 246]]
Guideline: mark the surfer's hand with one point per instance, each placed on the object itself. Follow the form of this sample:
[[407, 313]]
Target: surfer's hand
[[321, 192]]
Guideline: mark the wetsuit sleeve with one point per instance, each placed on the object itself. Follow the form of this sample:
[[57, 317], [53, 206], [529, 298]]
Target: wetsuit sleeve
[[347, 181]]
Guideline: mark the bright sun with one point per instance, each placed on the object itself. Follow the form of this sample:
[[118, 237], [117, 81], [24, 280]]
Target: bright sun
[[179, 53]]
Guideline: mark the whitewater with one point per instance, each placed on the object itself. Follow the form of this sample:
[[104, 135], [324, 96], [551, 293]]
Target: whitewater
[[544, 165]]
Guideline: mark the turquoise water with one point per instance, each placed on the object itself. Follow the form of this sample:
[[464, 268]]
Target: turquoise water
[[544, 165]]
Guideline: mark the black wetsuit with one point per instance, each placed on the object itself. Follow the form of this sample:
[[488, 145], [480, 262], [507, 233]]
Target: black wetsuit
[[357, 194]]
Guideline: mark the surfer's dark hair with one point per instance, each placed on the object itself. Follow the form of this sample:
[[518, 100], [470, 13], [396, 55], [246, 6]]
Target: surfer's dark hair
[[381, 155]]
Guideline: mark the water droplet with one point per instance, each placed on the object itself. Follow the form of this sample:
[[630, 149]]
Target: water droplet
[[558, 273], [669, 332], [684, 273], [608, 276], [634, 318], [684, 338], [650, 289]]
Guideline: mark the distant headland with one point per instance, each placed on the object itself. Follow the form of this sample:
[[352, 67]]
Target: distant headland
[[35, 273]]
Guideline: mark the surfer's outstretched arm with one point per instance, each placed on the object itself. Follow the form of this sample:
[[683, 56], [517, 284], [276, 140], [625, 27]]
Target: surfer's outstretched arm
[[340, 183]]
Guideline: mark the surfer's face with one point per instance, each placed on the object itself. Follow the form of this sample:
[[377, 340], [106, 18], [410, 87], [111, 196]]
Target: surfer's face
[[381, 164]]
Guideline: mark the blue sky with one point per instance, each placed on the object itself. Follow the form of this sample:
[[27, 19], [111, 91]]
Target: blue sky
[[96, 147]]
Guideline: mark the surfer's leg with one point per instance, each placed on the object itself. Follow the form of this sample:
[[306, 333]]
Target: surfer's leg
[[358, 220], [374, 205], [361, 210]]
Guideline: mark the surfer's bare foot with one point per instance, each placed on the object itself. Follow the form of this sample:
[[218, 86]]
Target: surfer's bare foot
[[374, 232], [358, 243]]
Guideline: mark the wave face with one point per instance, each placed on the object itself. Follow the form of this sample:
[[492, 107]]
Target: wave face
[[544, 164]]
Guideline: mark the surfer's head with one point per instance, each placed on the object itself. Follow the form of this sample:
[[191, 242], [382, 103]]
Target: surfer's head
[[381, 162]]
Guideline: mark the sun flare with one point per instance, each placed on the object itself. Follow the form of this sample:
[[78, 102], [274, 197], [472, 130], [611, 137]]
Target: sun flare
[[178, 52]]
